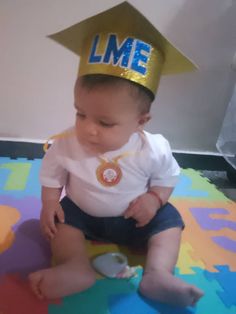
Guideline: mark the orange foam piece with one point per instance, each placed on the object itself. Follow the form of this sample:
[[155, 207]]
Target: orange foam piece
[[204, 248], [8, 217]]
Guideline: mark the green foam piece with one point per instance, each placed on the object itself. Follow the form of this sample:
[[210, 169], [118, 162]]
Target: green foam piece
[[95, 299], [18, 175]]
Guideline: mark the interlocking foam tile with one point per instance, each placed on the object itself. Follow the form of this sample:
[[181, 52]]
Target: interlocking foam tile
[[204, 218], [93, 300], [227, 281], [209, 239], [17, 298], [210, 303], [19, 177], [193, 185], [201, 240], [8, 217], [29, 207], [185, 261], [221, 220], [137, 304], [210, 219], [114, 296], [134, 303], [225, 242], [29, 251]]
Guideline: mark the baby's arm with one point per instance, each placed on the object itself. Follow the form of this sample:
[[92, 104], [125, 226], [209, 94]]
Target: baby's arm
[[51, 208], [162, 193], [144, 207]]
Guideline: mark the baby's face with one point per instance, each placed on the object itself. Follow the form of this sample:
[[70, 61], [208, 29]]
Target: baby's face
[[106, 117]]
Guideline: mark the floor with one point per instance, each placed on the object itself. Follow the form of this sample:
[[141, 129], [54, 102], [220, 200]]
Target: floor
[[222, 182]]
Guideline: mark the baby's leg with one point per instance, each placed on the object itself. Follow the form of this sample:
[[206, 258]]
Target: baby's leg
[[158, 281], [72, 273]]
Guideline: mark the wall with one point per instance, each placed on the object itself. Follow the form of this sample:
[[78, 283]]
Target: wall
[[37, 75]]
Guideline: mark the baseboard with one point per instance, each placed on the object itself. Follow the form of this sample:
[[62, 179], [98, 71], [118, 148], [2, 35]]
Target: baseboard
[[202, 161], [14, 150]]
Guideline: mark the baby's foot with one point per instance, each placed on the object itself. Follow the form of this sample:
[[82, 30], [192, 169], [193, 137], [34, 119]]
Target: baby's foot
[[35, 280], [60, 281], [191, 295], [164, 287]]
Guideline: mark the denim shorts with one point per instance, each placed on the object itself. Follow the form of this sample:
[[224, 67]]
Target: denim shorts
[[118, 229]]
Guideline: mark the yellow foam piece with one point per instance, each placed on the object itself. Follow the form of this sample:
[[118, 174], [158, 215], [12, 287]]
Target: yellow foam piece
[[185, 261], [95, 248]]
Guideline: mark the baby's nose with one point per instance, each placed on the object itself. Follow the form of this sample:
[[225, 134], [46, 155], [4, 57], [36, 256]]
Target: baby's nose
[[91, 129]]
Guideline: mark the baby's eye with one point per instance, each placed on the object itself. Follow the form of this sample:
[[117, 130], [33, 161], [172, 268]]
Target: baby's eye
[[106, 125], [80, 115]]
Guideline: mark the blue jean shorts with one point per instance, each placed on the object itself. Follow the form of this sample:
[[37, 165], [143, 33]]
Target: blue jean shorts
[[118, 229]]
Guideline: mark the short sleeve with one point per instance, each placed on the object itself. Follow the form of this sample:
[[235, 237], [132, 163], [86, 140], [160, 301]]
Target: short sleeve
[[52, 173], [165, 169]]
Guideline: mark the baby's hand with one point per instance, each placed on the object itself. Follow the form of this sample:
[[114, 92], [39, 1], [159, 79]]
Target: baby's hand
[[50, 210], [142, 209]]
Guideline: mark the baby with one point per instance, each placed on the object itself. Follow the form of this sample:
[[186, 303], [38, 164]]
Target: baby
[[128, 206], [117, 177]]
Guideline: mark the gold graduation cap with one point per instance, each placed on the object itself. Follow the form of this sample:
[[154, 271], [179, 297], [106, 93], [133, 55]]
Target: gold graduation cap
[[122, 42]]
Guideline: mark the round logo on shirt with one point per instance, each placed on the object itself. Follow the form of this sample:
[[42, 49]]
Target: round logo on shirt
[[109, 174]]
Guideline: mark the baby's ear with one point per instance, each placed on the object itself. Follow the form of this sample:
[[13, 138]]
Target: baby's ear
[[144, 118]]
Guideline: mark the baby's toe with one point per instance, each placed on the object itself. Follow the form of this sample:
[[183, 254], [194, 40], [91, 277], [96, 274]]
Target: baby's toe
[[35, 280]]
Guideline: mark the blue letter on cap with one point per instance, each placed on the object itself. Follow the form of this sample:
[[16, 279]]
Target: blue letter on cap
[[94, 58], [138, 56], [124, 49]]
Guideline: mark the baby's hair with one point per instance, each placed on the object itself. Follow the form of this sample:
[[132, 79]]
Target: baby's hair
[[141, 94]]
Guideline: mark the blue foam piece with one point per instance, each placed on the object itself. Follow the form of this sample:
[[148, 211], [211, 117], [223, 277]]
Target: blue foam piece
[[184, 189], [227, 280], [210, 302]]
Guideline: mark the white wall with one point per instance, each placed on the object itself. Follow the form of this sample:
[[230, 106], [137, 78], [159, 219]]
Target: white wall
[[37, 75]]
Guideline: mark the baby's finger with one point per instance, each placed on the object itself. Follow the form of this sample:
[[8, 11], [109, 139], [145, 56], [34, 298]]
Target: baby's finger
[[49, 233], [131, 210], [60, 215], [50, 227], [141, 218], [35, 281], [141, 224], [133, 202], [51, 224]]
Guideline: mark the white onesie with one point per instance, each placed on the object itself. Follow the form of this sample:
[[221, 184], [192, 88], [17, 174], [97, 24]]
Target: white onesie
[[146, 161]]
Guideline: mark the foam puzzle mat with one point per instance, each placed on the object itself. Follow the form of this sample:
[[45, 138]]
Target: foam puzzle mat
[[207, 257]]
